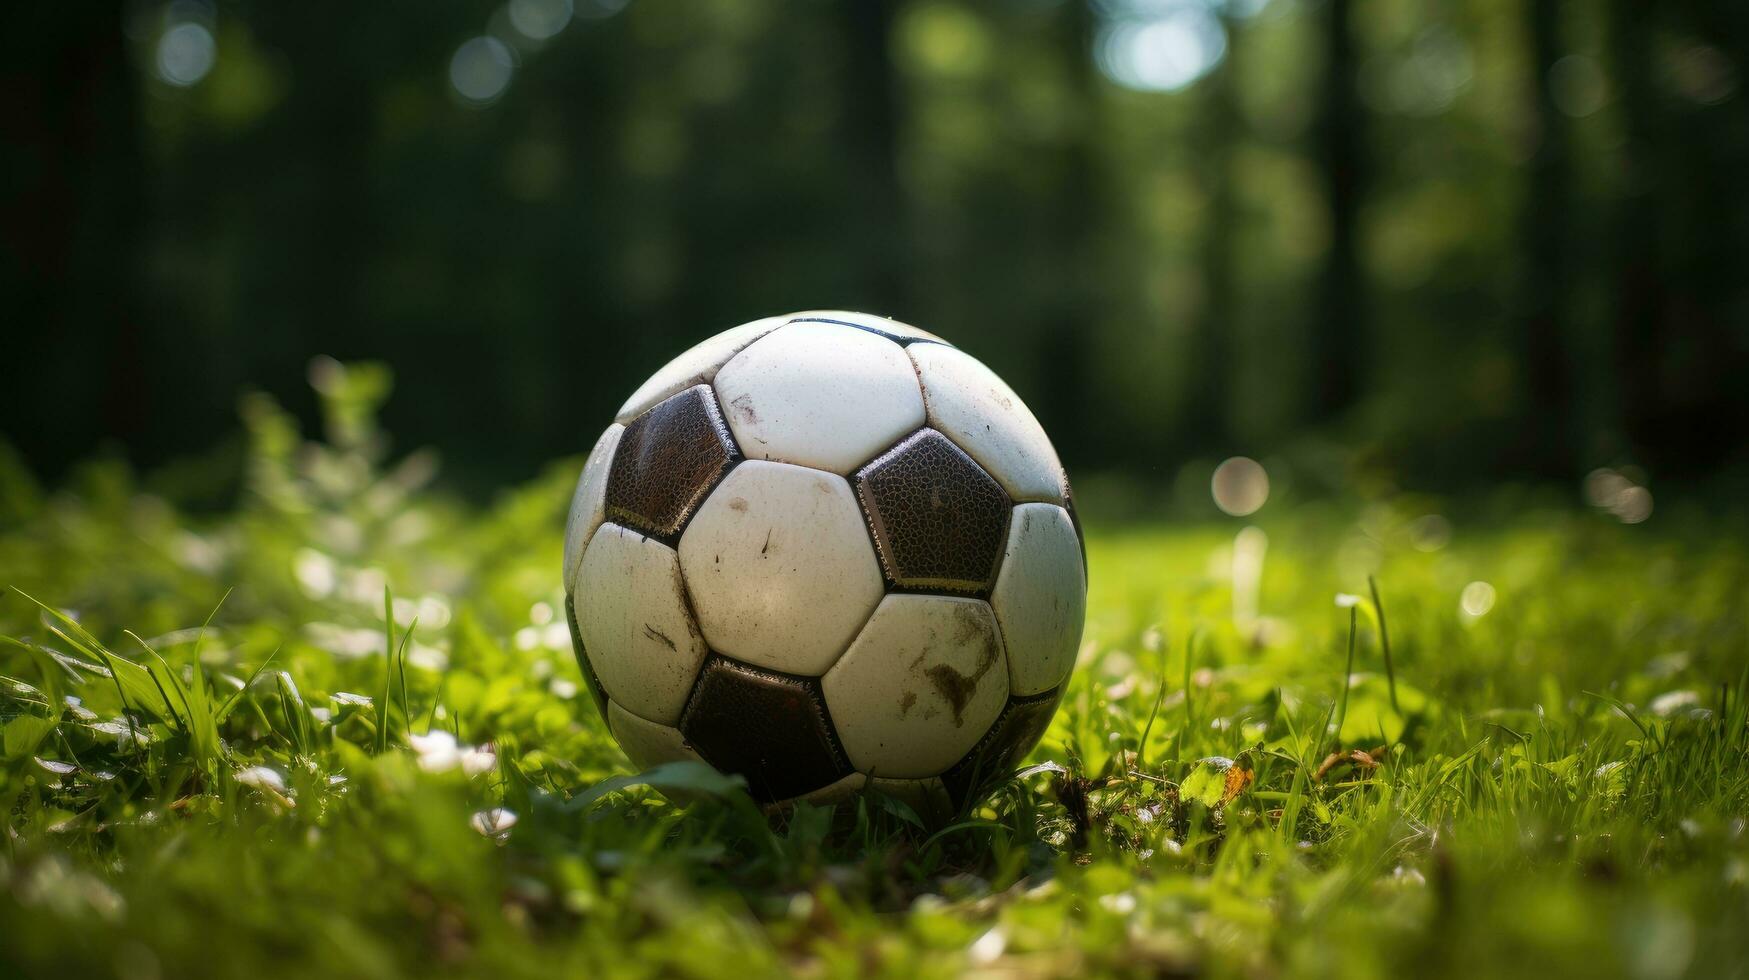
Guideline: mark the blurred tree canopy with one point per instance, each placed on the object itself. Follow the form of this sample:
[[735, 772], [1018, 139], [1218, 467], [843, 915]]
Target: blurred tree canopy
[[1472, 239]]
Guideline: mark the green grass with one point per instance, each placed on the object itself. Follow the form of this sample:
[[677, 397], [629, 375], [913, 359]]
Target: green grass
[[1560, 789]]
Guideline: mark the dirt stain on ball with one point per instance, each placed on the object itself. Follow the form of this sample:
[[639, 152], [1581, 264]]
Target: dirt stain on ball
[[742, 406], [956, 687], [659, 636]]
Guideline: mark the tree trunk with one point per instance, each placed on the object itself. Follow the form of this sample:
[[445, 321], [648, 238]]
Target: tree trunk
[[1076, 309], [70, 229], [870, 105], [1639, 285], [1545, 429], [1208, 418], [1340, 334]]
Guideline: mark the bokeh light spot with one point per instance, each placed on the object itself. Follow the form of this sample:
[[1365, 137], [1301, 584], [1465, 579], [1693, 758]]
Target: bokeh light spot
[[481, 69], [1240, 486], [1425, 81], [1164, 53], [599, 9], [538, 20], [1633, 505], [1430, 532], [1578, 86], [947, 41], [1614, 491], [1477, 600], [186, 52], [1603, 485], [1704, 74]]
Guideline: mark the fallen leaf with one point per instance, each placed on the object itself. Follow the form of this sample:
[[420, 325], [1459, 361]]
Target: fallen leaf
[[1216, 780], [1238, 778], [1358, 758]]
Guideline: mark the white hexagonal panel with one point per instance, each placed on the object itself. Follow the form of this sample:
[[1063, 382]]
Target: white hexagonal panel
[[586, 501], [697, 365], [637, 632], [1040, 597], [980, 413], [919, 686], [646, 743], [780, 568], [886, 325], [820, 395]]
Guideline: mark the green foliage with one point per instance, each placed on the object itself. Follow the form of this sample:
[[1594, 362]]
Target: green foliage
[[374, 755], [1538, 208]]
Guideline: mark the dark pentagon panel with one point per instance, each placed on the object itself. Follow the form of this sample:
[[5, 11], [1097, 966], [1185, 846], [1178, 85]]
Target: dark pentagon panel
[[938, 519], [667, 462], [594, 683], [768, 727], [1019, 727]]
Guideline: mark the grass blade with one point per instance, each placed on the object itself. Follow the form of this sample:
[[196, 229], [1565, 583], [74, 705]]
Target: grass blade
[[232, 701], [1153, 713], [134, 684], [1378, 607], [1189, 655], [388, 671], [1347, 672], [401, 670]]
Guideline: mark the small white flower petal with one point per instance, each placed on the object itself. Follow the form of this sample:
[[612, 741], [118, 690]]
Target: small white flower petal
[[437, 751], [1670, 702], [989, 947], [432, 742], [440, 761], [1122, 903], [261, 777], [495, 823], [477, 761]]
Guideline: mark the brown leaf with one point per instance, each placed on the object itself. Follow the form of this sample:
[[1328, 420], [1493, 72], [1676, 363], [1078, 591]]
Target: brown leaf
[[1237, 779], [1358, 758]]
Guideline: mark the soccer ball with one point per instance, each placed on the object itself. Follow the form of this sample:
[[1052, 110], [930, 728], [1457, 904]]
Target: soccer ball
[[824, 551]]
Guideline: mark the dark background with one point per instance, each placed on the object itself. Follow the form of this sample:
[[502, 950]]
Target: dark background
[[1459, 241]]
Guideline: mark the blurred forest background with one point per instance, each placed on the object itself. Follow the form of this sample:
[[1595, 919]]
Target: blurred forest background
[[1440, 242]]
